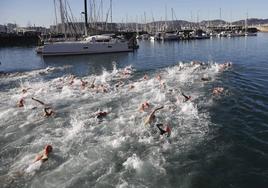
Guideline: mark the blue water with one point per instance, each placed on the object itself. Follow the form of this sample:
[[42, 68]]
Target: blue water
[[226, 146]]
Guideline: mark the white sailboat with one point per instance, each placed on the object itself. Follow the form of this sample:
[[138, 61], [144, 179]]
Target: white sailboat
[[90, 45], [169, 36]]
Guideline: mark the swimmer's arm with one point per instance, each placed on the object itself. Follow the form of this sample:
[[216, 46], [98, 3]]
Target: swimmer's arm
[[38, 157], [38, 101], [159, 108], [184, 95], [158, 126], [149, 118], [48, 113], [45, 110], [93, 81]]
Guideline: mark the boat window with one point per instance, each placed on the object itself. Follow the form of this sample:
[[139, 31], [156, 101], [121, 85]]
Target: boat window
[[102, 40], [85, 47], [110, 46]]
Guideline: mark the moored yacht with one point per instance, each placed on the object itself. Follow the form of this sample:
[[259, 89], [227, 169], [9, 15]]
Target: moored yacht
[[108, 43], [169, 36], [90, 45]]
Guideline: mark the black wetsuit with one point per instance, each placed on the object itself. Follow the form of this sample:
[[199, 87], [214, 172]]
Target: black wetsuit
[[159, 125], [101, 115], [186, 97]]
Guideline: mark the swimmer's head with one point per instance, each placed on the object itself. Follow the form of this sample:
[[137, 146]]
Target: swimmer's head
[[168, 129], [48, 148], [146, 104]]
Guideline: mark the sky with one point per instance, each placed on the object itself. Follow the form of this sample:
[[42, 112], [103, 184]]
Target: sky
[[41, 12]]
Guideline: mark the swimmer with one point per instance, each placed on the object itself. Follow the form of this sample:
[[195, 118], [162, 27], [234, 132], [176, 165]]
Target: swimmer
[[228, 64], [119, 84], [151, 117], [131, 87], [196, 63], [225, 65], [144, 106], [162, 84], [21, 103], [165, 130], [217, 90], [126, 72], [48, 112], [72, 77], [145, 77], [83, 84], [50, 69], [186, 98], [158, 77], [222, 67], [101, 114], [205, 79], [92, 85], [102, 89], [43, 155]]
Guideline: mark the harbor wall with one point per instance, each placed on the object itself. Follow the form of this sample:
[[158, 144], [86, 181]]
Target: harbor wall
[[18, 40]]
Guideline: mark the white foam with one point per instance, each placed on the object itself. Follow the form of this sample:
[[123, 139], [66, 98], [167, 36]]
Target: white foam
[[133, 162], [79, 138], [33, 167]]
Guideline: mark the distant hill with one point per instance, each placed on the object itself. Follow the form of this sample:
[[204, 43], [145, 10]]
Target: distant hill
[[184, 23], [213, 22], [252, 21]]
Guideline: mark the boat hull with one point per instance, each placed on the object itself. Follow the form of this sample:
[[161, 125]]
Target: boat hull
[[80, 48]]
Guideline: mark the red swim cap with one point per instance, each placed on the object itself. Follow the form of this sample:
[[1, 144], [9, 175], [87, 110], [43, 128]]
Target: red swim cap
[[48, 148], [168, 129]]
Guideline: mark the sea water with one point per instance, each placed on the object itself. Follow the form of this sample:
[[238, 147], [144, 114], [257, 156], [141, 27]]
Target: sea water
[[216, 141]]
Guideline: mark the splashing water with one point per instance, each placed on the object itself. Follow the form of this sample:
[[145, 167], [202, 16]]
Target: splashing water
[[117, 150]]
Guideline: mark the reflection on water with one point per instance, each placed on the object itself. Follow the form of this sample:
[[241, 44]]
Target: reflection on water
[[88, 64], [150, 55]]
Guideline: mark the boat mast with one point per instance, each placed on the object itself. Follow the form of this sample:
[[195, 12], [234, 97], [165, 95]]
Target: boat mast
[[102, 22], [145, 22], [62, 18], [246, 23], [166, 18], [56, 23], [86, 24], [111, 8], [172, 14]]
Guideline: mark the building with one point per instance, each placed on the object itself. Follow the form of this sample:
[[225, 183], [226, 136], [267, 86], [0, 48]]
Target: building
[[3, 29], [31, 30], [11, 27]]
